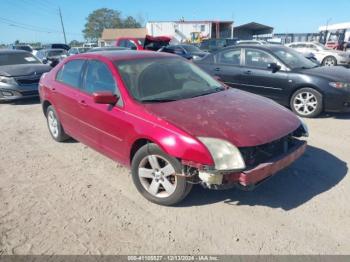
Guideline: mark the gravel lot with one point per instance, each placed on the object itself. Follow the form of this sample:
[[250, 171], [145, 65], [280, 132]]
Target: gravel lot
[[68, 199]]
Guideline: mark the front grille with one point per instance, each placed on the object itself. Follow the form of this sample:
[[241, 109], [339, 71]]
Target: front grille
[[29, 93], [28, 80], [254, 156]]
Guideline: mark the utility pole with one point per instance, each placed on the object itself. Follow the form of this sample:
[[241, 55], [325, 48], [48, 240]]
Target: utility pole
[[64, 32]]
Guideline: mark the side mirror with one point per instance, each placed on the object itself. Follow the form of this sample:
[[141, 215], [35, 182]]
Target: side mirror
[[133, 47], [107, 98], [44, 61], [274, 67]]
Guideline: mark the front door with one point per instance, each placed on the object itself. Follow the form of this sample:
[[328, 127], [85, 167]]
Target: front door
[[258, 78], [103, 125]]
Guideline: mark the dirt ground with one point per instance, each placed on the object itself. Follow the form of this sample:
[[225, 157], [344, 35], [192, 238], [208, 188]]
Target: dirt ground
[[64, 198]]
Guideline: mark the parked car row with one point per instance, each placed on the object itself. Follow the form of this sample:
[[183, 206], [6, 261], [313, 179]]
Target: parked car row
[[159, 113]]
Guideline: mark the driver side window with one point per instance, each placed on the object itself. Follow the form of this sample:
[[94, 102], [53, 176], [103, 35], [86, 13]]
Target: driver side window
[[258, 58], [98, 78]]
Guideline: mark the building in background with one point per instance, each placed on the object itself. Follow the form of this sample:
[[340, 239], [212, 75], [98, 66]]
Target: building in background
[[252, 31], [191, 31], [110, 35]]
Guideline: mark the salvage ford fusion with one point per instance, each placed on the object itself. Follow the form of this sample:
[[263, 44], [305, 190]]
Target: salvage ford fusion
[[170, 121]]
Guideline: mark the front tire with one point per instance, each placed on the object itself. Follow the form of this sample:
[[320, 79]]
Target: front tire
[[55, 126], [154, 175], [307, 102], [329, 61]]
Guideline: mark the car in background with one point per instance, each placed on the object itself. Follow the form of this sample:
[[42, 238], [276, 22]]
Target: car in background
[[27, 48], [284, 75], [56, 46], [252, 42], [107, 48], [170, 121], [51, 56], [148, 43], [78, 50], [20, 72], [326, 56], [211, 45], [185, 50]]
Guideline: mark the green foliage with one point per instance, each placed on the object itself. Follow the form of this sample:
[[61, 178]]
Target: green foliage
[[106, 18]]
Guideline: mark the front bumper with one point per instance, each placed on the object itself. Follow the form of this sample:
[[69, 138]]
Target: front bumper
[[337, 101], [17, 93], [252, 177]]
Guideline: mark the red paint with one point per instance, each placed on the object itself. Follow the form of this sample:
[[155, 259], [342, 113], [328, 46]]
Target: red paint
[[241, 118], [148, 39], [105, 98], [265, 170]]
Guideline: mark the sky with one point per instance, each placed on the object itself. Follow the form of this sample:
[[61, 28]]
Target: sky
[[38, 20]]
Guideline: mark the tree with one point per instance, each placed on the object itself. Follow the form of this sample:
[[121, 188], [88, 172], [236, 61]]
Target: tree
[[131, 22], [100, 19]]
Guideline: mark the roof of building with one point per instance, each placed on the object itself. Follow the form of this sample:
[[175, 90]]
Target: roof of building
[[193, 21], [254, 26], [111, 33]]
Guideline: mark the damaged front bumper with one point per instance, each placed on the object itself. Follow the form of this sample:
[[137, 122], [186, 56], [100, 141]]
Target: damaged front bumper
[[248, 179]]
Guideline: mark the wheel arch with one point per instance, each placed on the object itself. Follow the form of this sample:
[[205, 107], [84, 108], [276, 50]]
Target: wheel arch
[[301, 86], [45, 105]]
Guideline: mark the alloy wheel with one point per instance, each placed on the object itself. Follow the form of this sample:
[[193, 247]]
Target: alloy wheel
[[157, 176], [329, 62], [53, 123], [305, 103]]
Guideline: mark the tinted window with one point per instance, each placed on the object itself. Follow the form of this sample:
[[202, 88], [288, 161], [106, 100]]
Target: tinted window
[[17, 59], [70, 73], [98, 78], [231, 57], [258, 58]]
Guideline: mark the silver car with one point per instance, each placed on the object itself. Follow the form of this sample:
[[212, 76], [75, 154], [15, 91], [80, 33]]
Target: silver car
[[324, 55]]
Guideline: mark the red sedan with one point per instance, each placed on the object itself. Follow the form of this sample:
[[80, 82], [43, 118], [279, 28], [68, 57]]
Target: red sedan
[[171, 122]]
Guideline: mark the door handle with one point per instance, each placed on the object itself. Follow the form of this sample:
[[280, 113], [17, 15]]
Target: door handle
[[247, 72], [82, 102], [217, 69]]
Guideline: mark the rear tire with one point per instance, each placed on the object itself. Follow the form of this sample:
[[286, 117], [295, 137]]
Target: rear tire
[[55, 126], [154, 175], [307, 102], [329, 61]]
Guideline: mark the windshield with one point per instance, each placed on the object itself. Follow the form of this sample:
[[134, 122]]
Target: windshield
[[165, 79], [191, 48], [18, 59], [293, 59]]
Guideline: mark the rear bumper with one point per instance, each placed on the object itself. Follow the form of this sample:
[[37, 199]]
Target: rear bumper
[[254, 176]]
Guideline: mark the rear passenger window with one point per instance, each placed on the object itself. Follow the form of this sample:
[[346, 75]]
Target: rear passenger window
[[70, 73], [231, 57]]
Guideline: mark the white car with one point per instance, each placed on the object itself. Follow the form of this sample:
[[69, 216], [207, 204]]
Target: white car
[[326, 56]]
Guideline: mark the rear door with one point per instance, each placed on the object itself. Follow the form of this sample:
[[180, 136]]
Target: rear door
[[66, 92], [257, 78], [103, 125]]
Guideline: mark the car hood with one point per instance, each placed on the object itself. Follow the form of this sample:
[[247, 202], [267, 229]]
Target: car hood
[[239, 117], [332, 51], [332, 73], [23, 70], [200, 54]]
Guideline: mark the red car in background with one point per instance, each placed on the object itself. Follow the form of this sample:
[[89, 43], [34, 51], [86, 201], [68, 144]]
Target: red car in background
[[148, 43], [170, 121]]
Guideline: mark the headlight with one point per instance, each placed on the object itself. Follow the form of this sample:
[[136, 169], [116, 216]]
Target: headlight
[[226, 156], [339, 85], [195, 57], [8, 80], [306, 129]]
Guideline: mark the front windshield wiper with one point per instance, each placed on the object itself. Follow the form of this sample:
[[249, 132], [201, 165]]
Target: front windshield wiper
[[210, 91], [156, 100]]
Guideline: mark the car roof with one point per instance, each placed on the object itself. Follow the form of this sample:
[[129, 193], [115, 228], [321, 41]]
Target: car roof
[[13, 51], [267, 47], [124, 55]]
